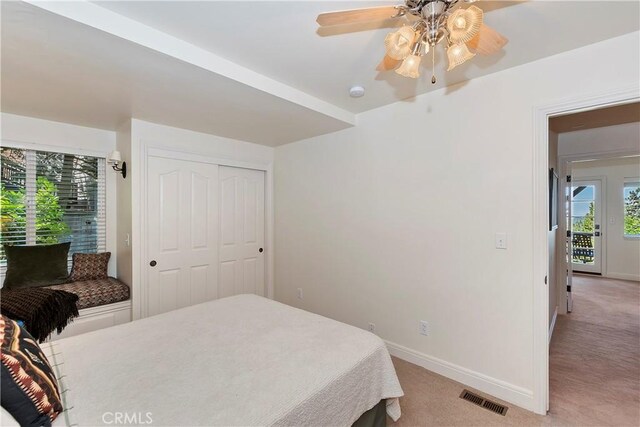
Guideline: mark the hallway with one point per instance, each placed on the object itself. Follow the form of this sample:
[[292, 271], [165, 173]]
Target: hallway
[[595, 356]]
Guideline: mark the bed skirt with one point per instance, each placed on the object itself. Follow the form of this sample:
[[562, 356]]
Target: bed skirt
[[374, 417]]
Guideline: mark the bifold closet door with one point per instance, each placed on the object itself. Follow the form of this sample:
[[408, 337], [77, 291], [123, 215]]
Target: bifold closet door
[[182, 234], [242, 257]]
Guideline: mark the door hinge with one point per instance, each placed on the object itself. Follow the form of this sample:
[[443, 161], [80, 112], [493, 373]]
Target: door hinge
[[568, 178], [545, 280], [568, 233]]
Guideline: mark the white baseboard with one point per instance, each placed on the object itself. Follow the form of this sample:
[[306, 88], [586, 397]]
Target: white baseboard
[[553, 323], [502, 390], [622, 276]]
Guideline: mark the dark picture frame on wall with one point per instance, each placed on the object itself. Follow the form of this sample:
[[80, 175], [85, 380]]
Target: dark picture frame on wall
[[553, 199]]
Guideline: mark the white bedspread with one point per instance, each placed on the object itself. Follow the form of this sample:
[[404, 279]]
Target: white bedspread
[[243, 360]]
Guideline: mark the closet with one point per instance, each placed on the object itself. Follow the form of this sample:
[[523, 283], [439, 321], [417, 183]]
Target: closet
[[205, 228]]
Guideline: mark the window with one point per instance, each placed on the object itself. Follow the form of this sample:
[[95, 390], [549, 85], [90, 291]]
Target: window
[[632, 209], [52, 198]]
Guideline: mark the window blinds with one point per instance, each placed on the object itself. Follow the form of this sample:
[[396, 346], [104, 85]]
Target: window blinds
[[51, 198]]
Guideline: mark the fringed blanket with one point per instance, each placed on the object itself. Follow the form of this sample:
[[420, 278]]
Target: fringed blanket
[[42, 310]]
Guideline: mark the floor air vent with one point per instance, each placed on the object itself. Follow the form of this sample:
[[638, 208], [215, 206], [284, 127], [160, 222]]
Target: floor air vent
[[484, 403]]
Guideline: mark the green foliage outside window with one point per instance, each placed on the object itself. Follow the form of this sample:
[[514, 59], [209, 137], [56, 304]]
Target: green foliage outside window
[[632, 213], [50, 226], [586, 223], [13, 215]]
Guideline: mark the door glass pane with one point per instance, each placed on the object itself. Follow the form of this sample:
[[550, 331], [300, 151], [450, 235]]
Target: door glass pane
[[583, 223]]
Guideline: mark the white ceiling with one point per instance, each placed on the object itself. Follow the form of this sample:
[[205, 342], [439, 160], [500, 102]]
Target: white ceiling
[[257, 71], [281, 40], [60, 70]]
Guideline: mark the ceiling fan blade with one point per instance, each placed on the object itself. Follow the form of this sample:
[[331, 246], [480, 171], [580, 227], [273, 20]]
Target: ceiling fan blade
[[356, 16], [387, 64], [488, 41]]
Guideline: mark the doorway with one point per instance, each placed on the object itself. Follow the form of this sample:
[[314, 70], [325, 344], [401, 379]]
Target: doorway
[[594, 207]]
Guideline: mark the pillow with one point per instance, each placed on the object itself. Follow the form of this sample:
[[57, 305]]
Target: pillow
[[30, 390], [89, 266], [30, 266]]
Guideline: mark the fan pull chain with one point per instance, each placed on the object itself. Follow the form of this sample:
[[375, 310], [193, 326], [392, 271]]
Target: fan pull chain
[[433, 64]]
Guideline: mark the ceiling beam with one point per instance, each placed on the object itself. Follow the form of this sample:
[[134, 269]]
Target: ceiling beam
[[110, 22]]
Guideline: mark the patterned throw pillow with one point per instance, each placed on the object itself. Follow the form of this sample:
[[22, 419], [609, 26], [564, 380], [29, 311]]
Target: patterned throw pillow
[[29, 388], [89, 266]]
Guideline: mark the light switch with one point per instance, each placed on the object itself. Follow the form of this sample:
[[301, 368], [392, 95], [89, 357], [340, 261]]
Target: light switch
[[501, 240]]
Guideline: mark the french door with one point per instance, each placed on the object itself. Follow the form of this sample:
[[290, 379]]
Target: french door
[[586, 230]]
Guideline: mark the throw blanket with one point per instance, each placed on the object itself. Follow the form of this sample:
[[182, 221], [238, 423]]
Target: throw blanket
[[42, 310]]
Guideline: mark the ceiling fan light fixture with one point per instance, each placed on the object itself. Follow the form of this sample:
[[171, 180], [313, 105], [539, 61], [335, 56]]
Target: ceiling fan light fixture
[[410, 67], [464, 24], [458, 54], [426, 23], [399, 43]]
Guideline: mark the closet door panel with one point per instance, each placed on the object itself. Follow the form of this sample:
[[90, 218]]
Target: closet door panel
[[242, 227], [182, 230]]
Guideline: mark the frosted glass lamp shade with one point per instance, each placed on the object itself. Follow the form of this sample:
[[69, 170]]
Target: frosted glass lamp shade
[[399, 43], [115, 157], [464, 24], [410, 67], [458, 54]]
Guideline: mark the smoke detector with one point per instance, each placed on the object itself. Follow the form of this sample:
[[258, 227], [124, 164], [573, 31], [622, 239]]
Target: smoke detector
[[356, 92]]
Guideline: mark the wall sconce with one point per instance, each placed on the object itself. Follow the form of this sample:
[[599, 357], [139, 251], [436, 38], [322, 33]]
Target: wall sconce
[[114, 160]]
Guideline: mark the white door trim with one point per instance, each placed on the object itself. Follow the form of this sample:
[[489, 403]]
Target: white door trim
[[147, 149], [541, 115]]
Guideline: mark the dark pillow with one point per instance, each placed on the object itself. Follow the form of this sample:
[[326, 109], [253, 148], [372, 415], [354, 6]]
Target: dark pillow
[[30, 266], [89, 266], [30, 390]]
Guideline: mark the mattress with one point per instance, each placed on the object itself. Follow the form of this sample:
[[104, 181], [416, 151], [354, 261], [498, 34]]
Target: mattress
[[243, 360]]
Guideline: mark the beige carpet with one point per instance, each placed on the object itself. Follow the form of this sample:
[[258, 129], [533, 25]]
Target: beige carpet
[[595, 356], [595, 370]]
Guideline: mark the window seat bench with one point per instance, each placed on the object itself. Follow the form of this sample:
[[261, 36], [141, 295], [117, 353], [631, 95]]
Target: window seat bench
[[102, 303], [93, 293]]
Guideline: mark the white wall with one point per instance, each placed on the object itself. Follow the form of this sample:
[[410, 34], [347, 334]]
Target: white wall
[[38, 134], [618, 138], [622, 254], [145, 136], [393, 221], [124, 195]]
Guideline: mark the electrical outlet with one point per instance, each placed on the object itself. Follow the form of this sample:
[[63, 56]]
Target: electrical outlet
[[501, 240], [372, 327], [424, 327], [300, 293]]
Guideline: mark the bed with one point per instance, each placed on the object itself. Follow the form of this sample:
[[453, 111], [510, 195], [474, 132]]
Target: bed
[[243, 360]]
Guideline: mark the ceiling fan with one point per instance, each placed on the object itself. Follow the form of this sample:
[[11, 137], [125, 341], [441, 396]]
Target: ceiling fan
[[428, 23]]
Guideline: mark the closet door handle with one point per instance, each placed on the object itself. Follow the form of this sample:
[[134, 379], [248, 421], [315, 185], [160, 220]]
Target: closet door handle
[[260, 250], [153, 263]]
